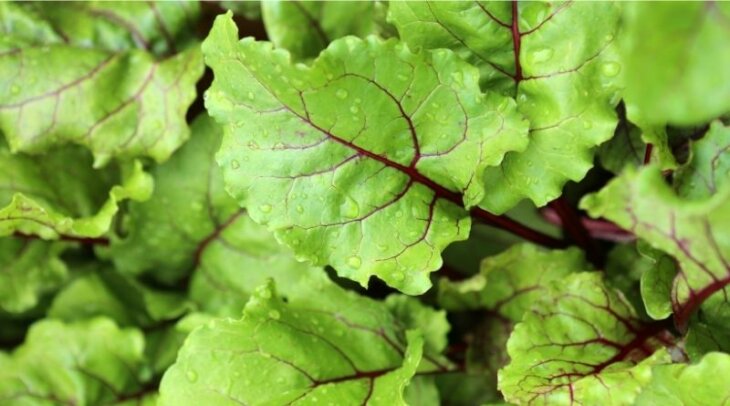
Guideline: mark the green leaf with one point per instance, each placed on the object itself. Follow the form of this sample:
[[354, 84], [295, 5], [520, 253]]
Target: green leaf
[[692, 231], [159, 27], [675, 55], [581, 343], [509, 283], [353, 161], [226, 251], [656, 286], [566, 89], [703, 383], [87, 363], [29, 269], [306, 28], [101, 291], [626, 147], [702, 338], [39, 195], [332, 346], [83, 87], [708, 169], [654, 134]]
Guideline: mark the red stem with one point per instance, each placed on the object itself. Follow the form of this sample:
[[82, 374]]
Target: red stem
[[647, 154], [507, 224], [86, 241], [575, 230]]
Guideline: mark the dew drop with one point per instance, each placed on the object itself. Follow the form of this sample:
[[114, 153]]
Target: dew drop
[[265, 208], [341, 93], [399, 276], [587, 125], [350, 209], [382, 247], [253, 145], [402, 77], [250, 95], [610, 69], [192, 376], [354, 109], [15, 89], [235, 164], [300, 209], [274, 314], [354, 262]]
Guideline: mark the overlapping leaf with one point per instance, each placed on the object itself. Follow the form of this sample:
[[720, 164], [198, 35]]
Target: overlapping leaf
[[227, 253], [692, 231], [306, 28], [509, 283], [582, 343], [708, 169], [70, 76], [374, 183], [332, 346], [100, 291], [703, 383], [676, 54], [559, 60], [86, 363], [43, 196], [28, 269]]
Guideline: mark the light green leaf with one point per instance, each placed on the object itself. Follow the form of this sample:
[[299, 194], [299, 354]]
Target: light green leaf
[[692, 231], [708, 169], [567, 89], [101, 291], [675, 55], [91, 89], [582, 343], [157, 27], [87, 363], [412, 314], [656, 287], [40, 196], [510, 282], [305, 28], [354, 161], [28, 270], [704, 383], [227, 253], [654, 134], [332, 346]]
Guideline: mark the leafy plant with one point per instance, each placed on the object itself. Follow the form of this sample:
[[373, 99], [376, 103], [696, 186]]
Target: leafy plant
[[424, 203]]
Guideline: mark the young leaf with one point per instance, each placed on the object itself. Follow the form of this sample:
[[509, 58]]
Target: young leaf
[[28, 270], [330, 347], [101, 291], [675, 56], [510, 282], [692, 231], [226, 251], [374, 183], [306, 28], [708, 169], [567, 89], [582, 343], [116, 101], [40, 196], [704, 383], [85, 363]]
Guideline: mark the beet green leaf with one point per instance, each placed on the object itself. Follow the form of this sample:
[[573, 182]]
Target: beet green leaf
[[559, 60], [86, 74], [329, 347], [342, 183], [582, 340]]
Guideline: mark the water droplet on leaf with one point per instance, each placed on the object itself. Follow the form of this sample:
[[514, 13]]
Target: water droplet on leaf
[[192, 376], [610, 69], [341, 93], [266, 208], [235, 164], [274, 314]]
